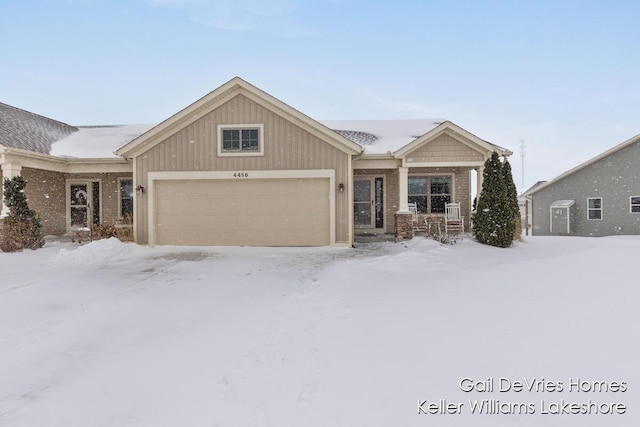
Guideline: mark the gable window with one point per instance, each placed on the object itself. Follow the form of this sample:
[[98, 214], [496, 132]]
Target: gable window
[[430, 193], [594, 208], [240, 140], [125, 191], [634, 202]]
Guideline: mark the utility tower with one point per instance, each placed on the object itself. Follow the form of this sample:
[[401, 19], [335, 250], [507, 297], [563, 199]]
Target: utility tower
[[522, 154]]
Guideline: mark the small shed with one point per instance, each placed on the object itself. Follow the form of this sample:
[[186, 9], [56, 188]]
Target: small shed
[[560, 216]]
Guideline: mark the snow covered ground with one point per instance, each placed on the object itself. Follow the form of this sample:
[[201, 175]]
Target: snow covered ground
[[114, 334]]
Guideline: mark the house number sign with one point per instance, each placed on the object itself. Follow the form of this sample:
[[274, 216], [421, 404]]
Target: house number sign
[[241, 175]]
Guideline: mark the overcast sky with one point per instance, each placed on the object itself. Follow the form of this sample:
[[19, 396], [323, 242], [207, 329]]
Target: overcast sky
[[561, 75]]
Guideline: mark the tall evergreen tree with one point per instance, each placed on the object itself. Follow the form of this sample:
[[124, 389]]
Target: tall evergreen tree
[[21, 228], [512, 196], [493, 223]]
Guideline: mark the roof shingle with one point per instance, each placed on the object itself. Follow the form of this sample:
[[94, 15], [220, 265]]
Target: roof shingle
[[28, 131]]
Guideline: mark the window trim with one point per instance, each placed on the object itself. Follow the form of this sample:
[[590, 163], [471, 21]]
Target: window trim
[[600, 209], [120, 179], [240, 153], [632, 205], [429, 195]]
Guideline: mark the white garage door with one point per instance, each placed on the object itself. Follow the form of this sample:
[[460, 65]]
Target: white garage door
[[251, 212]]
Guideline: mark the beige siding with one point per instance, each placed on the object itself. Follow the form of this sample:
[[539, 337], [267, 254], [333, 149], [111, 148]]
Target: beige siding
[[46, 193], [444, 148], [286, 147]]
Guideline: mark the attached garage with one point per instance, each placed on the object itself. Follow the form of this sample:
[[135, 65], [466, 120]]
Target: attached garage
[[238, 167], [260, 208]]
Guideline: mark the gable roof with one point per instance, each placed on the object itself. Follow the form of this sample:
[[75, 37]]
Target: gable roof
[[219, 96], [28, 131], [382, 136], [454, 129], [533, 187], [581, 166]]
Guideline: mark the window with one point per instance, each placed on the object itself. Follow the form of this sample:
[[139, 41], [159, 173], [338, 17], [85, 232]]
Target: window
[[126, 197], [594, 208], [634, 202], [430, 193], [240, 140], [95, 197]]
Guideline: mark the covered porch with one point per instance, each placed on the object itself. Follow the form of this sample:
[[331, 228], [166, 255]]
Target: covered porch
[[68, 193], [382, 197], [445, 165]]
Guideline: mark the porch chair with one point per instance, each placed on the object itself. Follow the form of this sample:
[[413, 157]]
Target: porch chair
[[413, 208], [453, 219]]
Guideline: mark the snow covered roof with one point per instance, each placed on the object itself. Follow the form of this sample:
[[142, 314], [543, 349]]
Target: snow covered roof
[[563, 203], [382, 136], [28, 131], [97, 141], [376, 136]]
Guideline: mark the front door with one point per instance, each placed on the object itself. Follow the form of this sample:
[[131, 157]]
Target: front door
[[84, 204], [368, 207], [559, 220]]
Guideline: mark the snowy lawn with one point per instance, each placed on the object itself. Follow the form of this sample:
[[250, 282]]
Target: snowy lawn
[[114, 334]]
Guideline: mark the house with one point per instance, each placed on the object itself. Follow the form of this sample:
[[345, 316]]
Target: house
[[67, 192], [525, 207], [600, 197], [240, 167]]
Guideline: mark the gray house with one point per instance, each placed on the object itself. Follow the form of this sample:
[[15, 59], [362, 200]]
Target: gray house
[[600, 197]]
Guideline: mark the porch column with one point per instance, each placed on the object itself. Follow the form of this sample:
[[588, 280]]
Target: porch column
[[480, 172], [9, 170], [403, 189], [404, 218]]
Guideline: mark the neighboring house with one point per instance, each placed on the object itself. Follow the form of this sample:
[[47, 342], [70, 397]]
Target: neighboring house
[[240, 167], [600, 197], [525, 208]]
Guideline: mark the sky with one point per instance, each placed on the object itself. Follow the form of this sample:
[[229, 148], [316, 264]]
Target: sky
[[559, 77]]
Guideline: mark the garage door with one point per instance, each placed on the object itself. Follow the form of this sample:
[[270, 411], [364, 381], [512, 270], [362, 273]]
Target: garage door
[[252, 212]]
